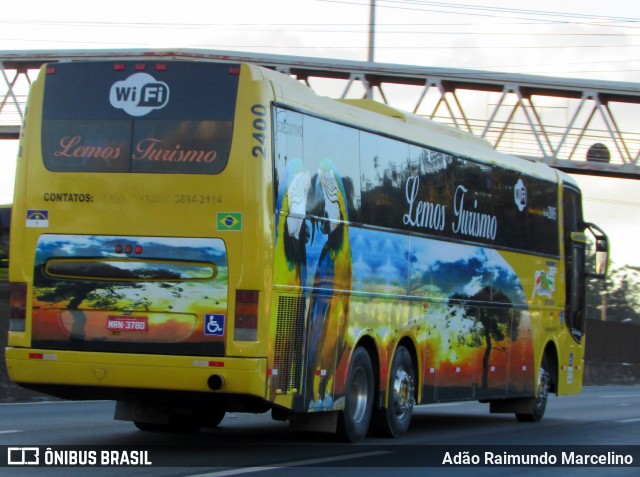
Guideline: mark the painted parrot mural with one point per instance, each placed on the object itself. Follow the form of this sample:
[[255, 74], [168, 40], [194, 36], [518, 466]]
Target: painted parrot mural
[[291, 261], [329, 306], [291, 231]]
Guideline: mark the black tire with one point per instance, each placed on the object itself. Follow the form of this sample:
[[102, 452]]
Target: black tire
[[539, 404], [354, 420], [394, 420], [176, 424], [214, 418]]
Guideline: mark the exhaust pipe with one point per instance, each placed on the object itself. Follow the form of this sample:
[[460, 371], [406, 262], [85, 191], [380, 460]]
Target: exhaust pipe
[[215, 382]]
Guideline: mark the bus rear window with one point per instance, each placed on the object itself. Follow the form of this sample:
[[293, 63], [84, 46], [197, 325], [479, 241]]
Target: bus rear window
[[121, 118]]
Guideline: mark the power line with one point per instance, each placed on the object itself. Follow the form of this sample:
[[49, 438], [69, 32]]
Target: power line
[[455, 8], [243, 26], [517, 11], [493, 16], [624, 203], [319, 28], [427, 47]]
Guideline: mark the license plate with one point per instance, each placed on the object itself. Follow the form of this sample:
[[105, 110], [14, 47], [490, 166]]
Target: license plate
[[127, 323]]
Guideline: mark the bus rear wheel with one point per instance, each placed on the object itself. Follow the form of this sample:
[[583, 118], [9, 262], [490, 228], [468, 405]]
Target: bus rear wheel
[[539, 404], [353, 421], [394, 420]]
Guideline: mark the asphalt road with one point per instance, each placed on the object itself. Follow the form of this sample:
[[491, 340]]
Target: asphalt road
[[254, 444]]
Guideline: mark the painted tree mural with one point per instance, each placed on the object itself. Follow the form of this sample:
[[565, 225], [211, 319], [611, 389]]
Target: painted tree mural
[[490, 326], [102, 294]]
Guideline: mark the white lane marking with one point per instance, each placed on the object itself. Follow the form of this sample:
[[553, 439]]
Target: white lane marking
[[12, 431], [617, 396], [626, 421], [33, 403], [320, 460]]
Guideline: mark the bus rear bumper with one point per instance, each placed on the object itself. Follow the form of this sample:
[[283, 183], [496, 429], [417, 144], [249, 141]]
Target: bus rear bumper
[[41, 368]]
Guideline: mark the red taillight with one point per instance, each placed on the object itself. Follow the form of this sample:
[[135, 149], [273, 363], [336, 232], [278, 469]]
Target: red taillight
[[161, 67], [128, 249], [246, 319], [247, 296], [234, 70], [17, 306], [51, 70], [119, 67], [140, 67]]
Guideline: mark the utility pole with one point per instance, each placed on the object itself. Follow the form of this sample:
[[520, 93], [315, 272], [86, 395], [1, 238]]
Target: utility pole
[[372, 30], [372, 43]]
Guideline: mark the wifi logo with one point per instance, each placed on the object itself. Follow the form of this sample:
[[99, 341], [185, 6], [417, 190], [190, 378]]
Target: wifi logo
[[139, 94]]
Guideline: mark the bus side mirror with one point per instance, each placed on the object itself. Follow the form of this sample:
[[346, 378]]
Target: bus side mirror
[[601, 251]]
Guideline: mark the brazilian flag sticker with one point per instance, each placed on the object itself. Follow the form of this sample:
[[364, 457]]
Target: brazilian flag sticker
[[229, 221]]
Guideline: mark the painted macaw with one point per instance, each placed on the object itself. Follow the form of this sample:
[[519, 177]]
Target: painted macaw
[[328, 309], [290, 254]]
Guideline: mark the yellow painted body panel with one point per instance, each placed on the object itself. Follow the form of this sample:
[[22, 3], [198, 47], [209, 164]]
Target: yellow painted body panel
[[170, 205], [176, 373]]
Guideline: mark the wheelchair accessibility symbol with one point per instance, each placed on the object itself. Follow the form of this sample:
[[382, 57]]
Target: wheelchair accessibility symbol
[[214, 324]]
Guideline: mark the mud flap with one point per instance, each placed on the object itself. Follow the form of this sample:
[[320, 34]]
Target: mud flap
[[314, 422]]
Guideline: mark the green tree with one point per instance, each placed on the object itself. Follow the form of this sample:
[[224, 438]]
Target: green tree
[[618, 295], [623, 297]]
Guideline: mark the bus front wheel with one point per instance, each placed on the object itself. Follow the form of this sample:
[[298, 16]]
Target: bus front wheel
[[353, 421], [539, 404]]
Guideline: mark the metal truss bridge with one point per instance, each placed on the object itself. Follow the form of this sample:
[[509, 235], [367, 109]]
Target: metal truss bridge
[[580, 126]]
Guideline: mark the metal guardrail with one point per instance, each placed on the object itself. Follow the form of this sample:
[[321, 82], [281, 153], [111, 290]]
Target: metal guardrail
[[580, 126]]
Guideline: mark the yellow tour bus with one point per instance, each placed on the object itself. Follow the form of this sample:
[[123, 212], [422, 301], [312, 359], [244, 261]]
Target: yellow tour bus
[[195, 238]]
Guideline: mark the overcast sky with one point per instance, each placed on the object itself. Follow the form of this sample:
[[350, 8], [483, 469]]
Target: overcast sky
[[586, 39]]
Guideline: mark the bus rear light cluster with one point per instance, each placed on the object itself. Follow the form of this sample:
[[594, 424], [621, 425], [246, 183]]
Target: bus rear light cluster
[[17, 306], [128, 249], [246, 319], [140, 66]]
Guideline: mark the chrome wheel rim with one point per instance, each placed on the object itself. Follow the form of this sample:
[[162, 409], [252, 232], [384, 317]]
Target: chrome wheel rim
[[403, 392]]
